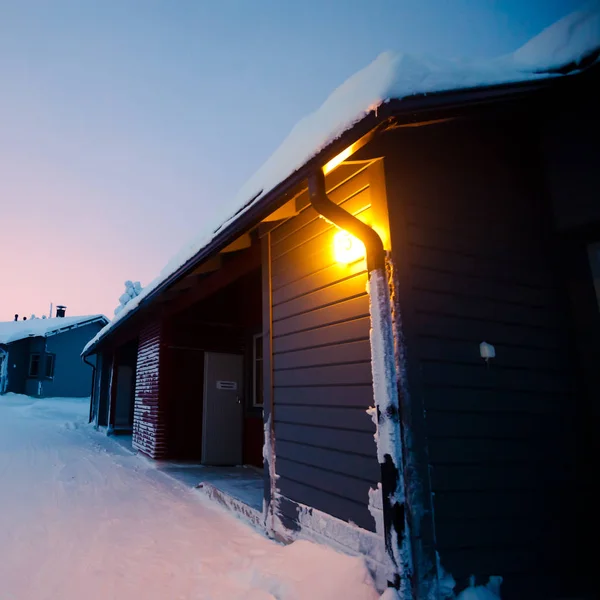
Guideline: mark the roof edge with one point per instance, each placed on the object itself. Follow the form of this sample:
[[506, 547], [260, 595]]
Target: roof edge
[[413, 108], [89, 321]]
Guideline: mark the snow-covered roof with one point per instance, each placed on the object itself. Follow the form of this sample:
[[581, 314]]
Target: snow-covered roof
[[391, 76], [11, 331]]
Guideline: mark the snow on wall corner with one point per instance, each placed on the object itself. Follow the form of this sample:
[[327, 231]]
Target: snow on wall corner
[[383, 367], [376, 508], [389, 442], [267, 450], [270, 507]]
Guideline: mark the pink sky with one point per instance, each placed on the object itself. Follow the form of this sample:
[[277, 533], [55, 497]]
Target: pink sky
[[66, 250]]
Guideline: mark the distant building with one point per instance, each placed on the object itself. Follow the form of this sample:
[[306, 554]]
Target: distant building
[[41, 357]]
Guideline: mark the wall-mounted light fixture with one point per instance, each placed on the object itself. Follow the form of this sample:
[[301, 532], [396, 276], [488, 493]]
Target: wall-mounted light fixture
[[346, 248], [487, 351]]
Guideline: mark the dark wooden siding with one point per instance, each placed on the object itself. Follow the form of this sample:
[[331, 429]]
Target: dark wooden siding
[[473, 240], [104, 389], [18, 365], [149, 417], [325, 451], [571, 157]]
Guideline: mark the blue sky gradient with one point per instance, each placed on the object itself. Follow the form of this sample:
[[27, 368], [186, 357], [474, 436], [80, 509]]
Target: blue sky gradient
[[125, 124]]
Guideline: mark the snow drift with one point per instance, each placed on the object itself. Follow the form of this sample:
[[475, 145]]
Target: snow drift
[[98, 522]]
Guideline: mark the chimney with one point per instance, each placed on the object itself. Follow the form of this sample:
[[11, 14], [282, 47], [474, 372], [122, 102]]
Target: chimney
[[16, 317], [60, 310]]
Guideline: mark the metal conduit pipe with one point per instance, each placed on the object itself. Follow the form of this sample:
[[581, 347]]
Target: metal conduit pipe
[[343, 219], [385, 382]]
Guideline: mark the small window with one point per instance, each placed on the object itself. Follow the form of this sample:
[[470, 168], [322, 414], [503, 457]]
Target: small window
[[50, 360], [34, 365], [257, 375]]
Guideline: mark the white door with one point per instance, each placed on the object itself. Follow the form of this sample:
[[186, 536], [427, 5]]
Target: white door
[[222, 409]]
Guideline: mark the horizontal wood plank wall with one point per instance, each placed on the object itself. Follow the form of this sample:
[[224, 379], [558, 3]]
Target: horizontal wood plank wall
[[478, 250], [149, 418], [322, 386]]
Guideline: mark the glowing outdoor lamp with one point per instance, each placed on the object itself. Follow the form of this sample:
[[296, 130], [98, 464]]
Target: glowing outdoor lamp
[[346, 248]]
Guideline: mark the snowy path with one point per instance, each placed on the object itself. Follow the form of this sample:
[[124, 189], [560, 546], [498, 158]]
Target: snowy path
[[82, 518]]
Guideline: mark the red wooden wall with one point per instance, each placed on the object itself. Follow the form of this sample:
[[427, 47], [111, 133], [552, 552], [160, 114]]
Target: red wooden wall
[[149, 423]]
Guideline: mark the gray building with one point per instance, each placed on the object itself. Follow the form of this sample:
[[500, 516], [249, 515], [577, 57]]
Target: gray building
[[41, 357]]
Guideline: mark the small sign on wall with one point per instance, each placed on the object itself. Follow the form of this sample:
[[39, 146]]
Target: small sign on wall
[[227, 385]]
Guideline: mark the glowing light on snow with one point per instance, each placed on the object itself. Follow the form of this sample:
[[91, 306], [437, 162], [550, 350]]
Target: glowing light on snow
[[346, 248]]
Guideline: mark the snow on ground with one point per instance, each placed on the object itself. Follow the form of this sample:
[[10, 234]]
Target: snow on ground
[[80, 517]]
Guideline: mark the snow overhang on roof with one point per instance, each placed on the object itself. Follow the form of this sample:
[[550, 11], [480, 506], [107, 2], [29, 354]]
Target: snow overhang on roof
[[13, 331], [563, 48]]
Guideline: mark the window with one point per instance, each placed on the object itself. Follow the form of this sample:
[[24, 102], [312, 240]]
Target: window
[[50, 360], [34, 365], [257, 374]]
